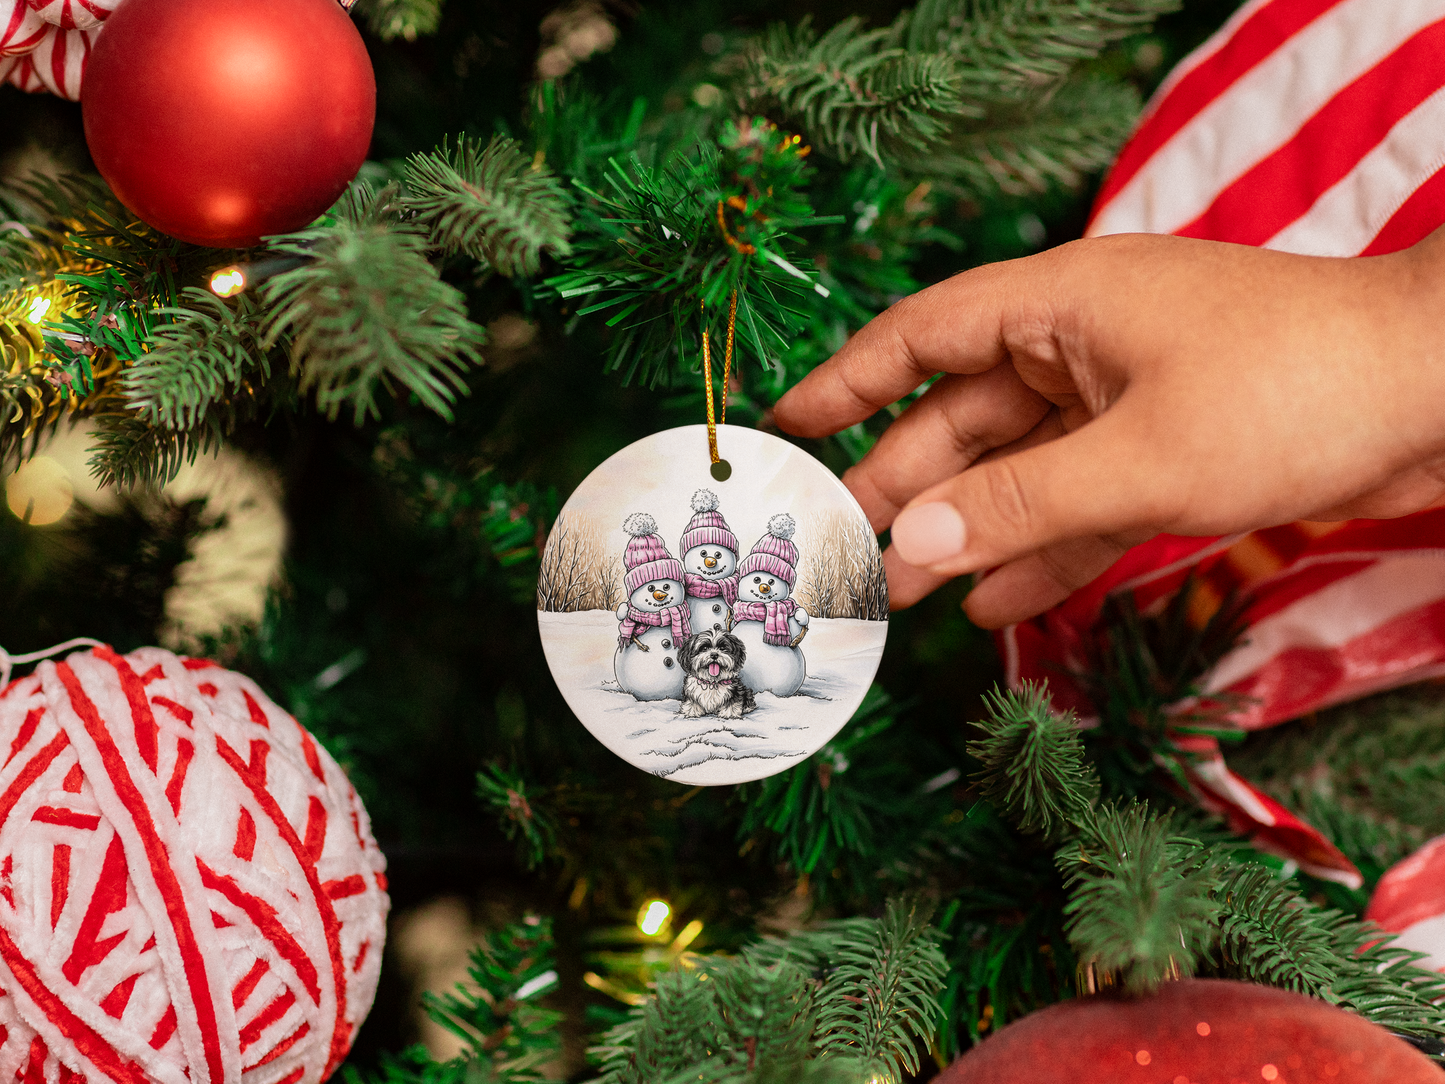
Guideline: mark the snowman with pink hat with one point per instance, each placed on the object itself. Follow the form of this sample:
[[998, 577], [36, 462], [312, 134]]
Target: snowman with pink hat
[[766, 618], [710, 564], [653, 623]]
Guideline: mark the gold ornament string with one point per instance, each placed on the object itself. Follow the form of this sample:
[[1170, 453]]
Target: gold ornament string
[[721, 418]]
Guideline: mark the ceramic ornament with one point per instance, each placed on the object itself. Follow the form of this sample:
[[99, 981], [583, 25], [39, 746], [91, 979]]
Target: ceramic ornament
[[712, 631]]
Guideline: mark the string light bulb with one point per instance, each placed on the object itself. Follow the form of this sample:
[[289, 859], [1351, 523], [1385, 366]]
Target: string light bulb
[[653, 917], [38, 308], [228, 281]]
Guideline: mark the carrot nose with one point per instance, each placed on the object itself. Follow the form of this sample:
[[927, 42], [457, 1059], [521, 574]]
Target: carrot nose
[[764, 589], [659, 595], [709, 561]]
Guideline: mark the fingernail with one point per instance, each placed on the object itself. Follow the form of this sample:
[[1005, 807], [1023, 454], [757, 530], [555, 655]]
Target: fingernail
[[928, 534]]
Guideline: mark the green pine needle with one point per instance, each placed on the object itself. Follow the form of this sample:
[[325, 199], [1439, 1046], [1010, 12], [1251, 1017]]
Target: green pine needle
[[1140, 907], [1008, 50], [494, 203], [846, 1001], [367, 310], [508, 1035], [1270, 934], [128, 451], [881, 994], [849, 92], [1072, 133], [202, 355], [1033, 765]]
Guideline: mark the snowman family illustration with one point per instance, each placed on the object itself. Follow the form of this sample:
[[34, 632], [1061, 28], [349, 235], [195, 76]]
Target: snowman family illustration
[[708, 630]]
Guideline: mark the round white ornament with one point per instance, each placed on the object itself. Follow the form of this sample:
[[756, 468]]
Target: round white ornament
[[712, 631]]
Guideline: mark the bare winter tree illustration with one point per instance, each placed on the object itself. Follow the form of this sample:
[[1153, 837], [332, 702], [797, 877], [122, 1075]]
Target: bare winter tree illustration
[[841, 570], [576, 573]]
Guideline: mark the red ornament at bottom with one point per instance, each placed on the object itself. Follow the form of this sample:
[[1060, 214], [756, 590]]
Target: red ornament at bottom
[[1196, 1031], [222, 121]]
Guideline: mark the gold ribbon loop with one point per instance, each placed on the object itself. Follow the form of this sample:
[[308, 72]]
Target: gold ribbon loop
[[722, 416]]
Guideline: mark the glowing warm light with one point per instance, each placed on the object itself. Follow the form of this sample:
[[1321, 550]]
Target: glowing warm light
[[1143, 1057], [1202, 1028], [38, 308], [40, 492], [652, 916], [228, 282], [687, 936], [1269, 1072]]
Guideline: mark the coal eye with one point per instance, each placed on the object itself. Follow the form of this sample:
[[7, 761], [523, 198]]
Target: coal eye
[[757, 579], [651, 587]]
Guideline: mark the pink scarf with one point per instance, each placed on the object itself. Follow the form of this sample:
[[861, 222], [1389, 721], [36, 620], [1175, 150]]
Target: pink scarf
[[701, 587], [676, 616], [773, 615]]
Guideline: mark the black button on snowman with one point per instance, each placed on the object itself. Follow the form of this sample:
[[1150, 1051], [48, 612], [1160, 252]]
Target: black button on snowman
[[708, 590]]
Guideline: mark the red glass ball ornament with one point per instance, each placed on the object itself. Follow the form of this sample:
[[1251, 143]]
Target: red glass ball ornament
[[1196, 1031], [221, 121]]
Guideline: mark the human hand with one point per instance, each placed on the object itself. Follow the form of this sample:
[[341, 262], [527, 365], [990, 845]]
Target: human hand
[[1111, 389]]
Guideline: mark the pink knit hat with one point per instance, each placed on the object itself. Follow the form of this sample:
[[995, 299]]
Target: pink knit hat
[[774, 553], [707, 528], [647, 557]]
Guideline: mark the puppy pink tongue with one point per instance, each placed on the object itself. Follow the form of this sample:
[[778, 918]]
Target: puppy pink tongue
[[714, 669]]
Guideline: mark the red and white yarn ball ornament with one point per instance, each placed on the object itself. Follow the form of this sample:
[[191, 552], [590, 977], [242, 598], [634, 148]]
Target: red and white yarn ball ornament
[[1193, 1031], [1409, 902], [52, 41], [189, 889]]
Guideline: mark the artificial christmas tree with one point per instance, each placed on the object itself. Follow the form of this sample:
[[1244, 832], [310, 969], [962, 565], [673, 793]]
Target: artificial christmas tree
[[560, 205]]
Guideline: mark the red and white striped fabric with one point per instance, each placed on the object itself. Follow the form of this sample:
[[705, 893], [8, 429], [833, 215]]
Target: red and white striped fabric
[[1407, 903], [20, 28], [59, 60], [1316, 127], [74, 14], [189, 889]]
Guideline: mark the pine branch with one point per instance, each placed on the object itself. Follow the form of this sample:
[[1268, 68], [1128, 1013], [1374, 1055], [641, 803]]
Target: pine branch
[[1008, 50], [663, 1038], [405, 19], [518, 813], [1140, 907], [495, 204], [367, 311], [661, 250], [825, 815], [765, 1015], [506, 1033], [130, 452], [202, 355], [882, 993], [850, 92], [1033, 765], [1073, 132], [1270, 934]]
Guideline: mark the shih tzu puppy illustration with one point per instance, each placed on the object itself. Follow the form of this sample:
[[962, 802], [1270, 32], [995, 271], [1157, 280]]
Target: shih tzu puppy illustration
[[712, 665]]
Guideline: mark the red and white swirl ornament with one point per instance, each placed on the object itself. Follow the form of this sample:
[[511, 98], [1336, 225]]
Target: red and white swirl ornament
[[189, 889], [74, 14], [58, 62], [53, 40], [20, 28]]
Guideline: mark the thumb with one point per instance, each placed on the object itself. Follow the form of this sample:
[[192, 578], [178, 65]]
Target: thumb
[[1101, 479]]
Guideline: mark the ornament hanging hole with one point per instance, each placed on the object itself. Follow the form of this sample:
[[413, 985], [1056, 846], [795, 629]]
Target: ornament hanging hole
[[722, 470]]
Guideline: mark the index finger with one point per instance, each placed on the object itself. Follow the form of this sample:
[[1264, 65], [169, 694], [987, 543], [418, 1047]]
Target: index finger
[[956, 326]]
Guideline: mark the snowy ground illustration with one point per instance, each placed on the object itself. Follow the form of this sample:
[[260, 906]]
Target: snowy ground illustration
[[842, 655]]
